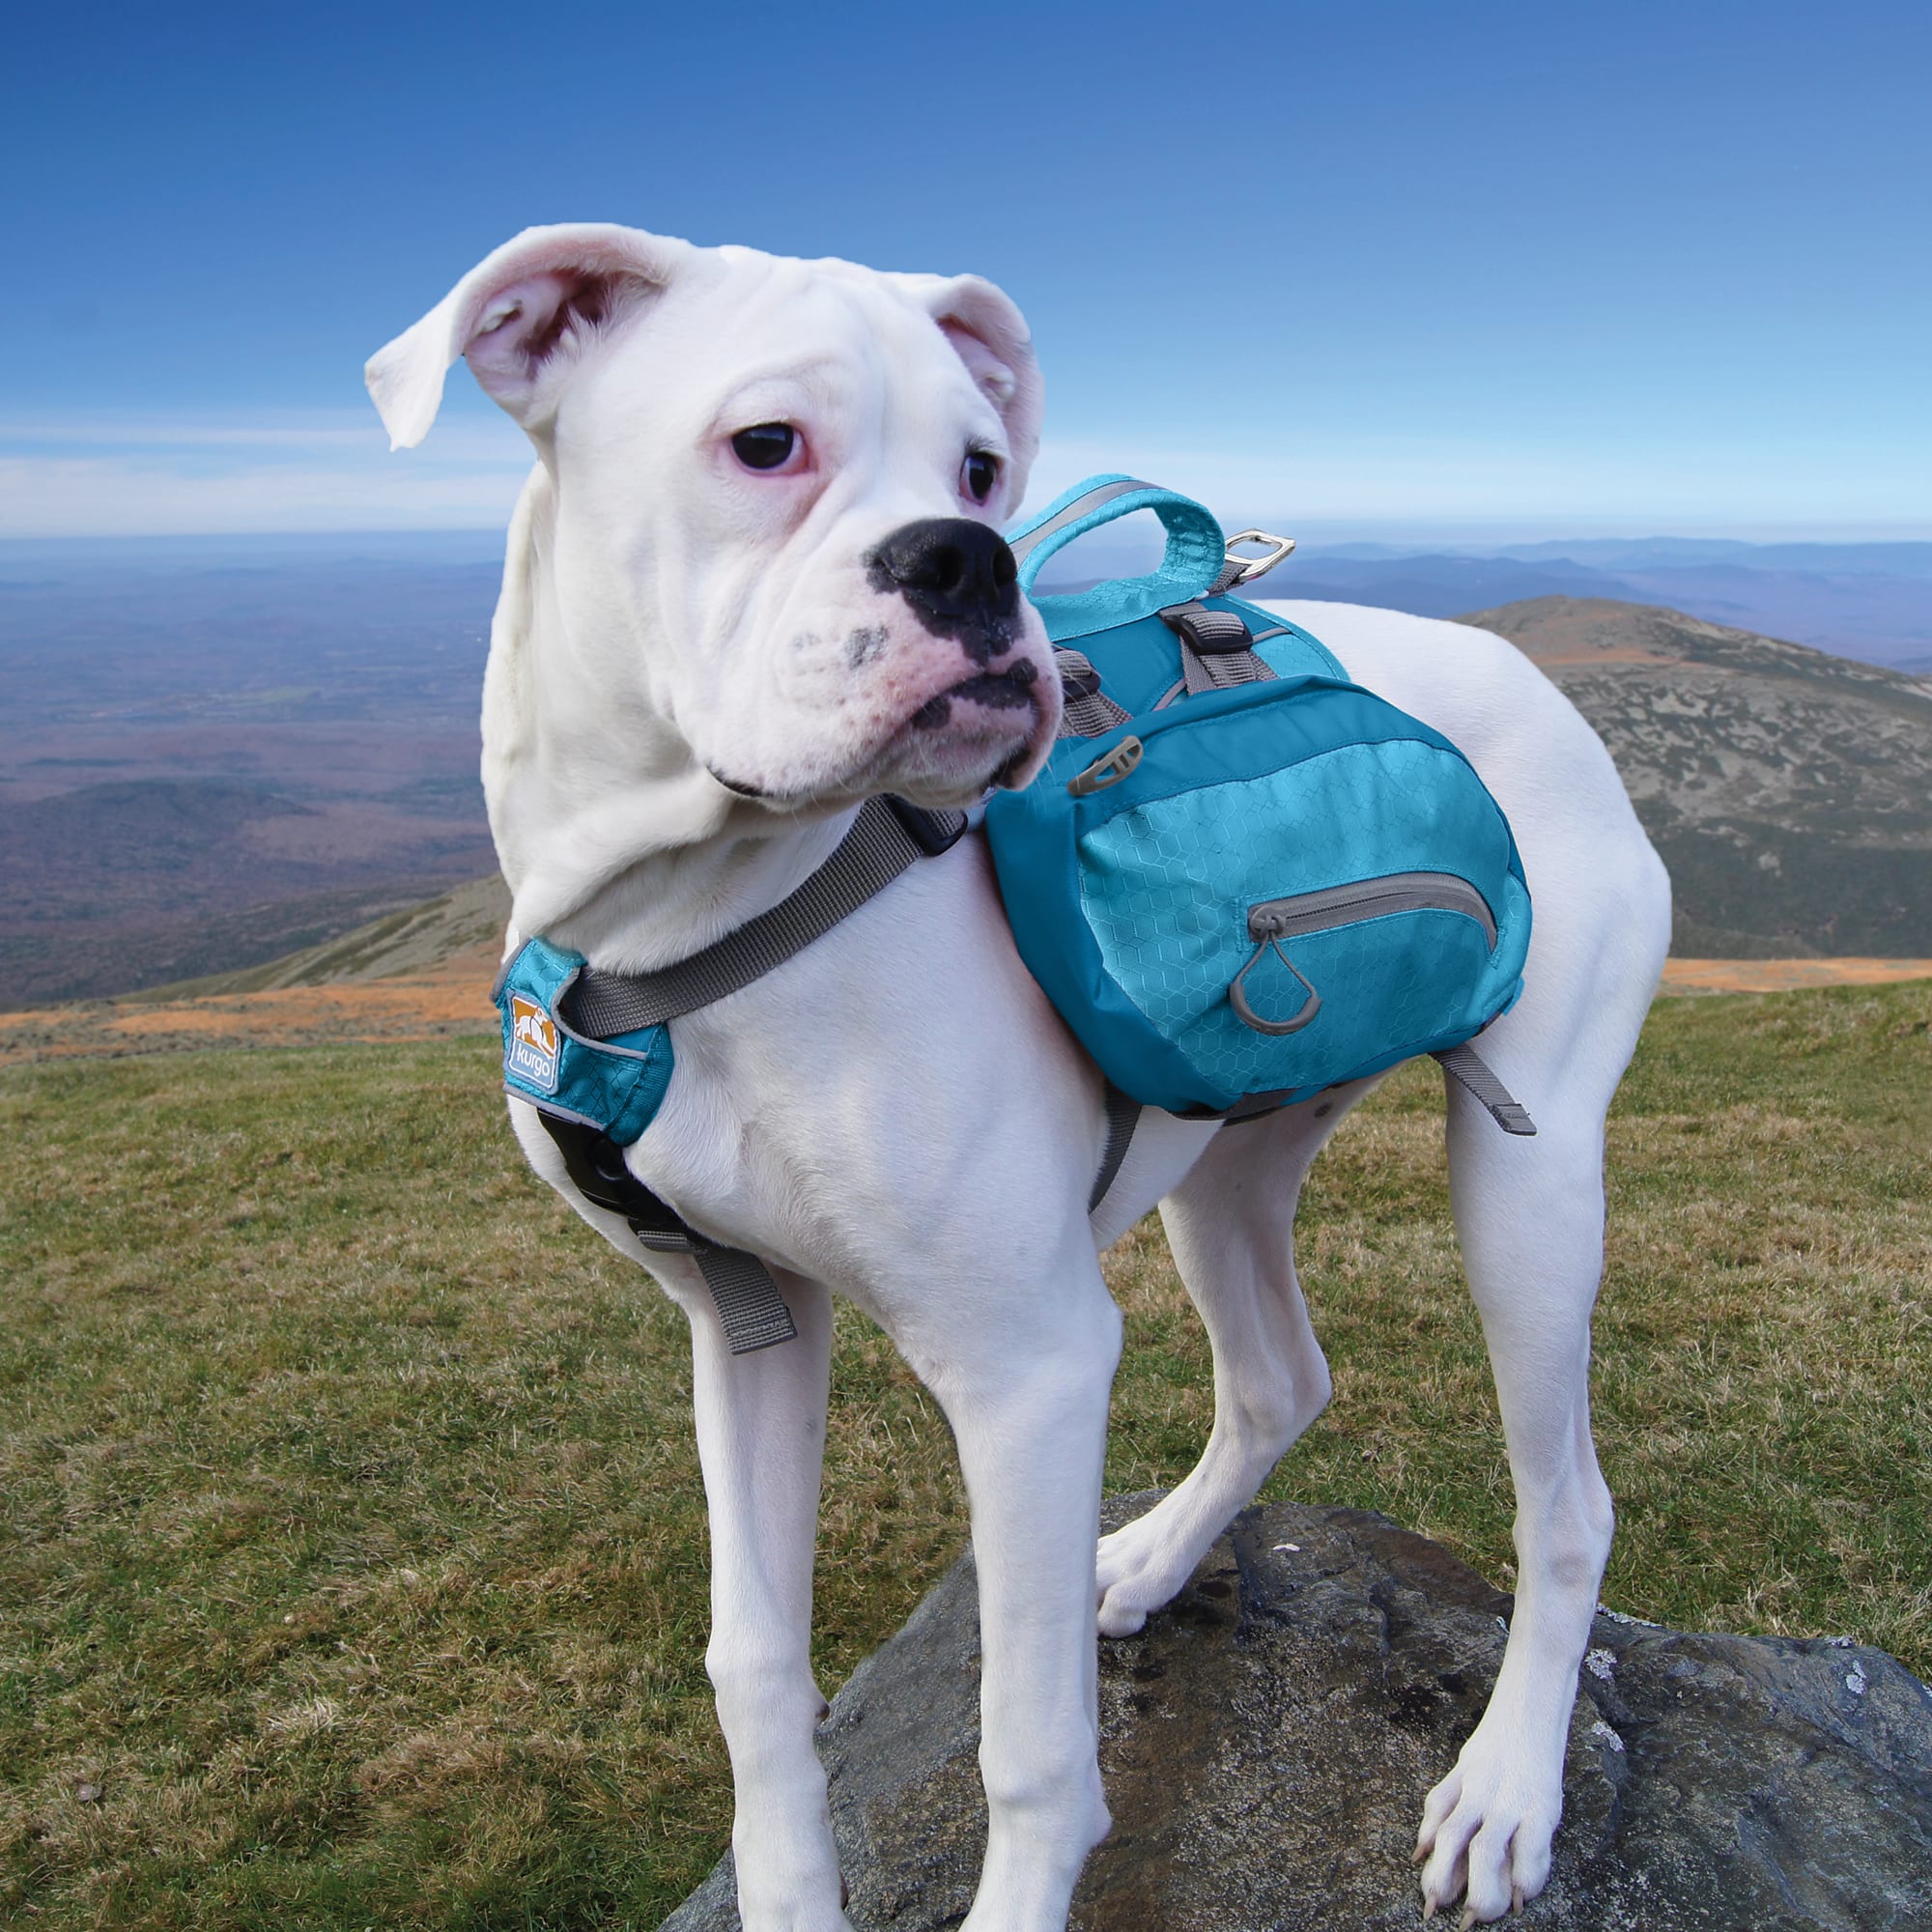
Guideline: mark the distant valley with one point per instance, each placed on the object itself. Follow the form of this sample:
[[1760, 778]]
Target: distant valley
[[213, 760], [1881, 619], [219, 756]]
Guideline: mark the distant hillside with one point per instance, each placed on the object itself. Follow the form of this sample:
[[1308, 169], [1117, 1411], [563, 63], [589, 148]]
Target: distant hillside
[[1789, 791], [136, 883], [471, 918]]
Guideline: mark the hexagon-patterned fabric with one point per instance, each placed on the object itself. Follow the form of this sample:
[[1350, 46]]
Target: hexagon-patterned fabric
[[1167, 886]]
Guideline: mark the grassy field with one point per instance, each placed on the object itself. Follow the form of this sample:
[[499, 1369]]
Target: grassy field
[[352, 1572]]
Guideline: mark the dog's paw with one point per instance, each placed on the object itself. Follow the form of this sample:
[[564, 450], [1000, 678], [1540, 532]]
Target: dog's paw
[[1138, 1569], [1485, 1836]]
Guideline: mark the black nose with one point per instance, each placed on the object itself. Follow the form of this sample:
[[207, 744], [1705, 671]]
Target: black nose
[[958, 575]]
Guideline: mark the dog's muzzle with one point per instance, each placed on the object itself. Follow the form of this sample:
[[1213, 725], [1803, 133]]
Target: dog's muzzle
[[958, 577]]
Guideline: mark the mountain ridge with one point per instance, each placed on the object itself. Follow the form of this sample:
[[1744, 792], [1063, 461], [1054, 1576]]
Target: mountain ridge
[[1789, 791]]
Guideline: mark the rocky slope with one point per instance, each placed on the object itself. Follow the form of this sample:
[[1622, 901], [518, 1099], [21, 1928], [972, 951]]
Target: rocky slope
[[1267, 1740], [1789, 792]]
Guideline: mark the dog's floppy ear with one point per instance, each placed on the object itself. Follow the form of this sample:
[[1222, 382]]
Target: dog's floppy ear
[[985, 326], [519, 317]]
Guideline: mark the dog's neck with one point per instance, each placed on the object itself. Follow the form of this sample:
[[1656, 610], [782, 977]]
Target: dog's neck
[[614, 840]]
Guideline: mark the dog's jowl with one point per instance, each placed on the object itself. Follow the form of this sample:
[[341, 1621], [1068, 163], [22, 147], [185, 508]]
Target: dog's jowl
[[755, 580]]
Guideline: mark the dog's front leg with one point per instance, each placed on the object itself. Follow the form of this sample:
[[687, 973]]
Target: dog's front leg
[[1023, 1372], [761, 1438]]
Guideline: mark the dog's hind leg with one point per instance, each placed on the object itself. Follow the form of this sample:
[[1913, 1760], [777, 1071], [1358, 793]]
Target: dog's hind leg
[[761, 1437], [1231, 1224], [1529, 1216]]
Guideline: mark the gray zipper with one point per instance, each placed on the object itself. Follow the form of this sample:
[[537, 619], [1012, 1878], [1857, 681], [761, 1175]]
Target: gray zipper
[[1370, 898]]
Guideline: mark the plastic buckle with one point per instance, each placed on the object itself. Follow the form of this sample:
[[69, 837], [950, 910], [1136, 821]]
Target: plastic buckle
[[1208, 632], [932, 832]]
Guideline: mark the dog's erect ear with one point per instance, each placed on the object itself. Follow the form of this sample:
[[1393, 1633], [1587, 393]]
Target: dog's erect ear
[[984, 326], [519, 316]]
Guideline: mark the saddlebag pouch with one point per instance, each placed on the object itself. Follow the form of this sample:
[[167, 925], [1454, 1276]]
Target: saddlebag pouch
[[1241, 878]]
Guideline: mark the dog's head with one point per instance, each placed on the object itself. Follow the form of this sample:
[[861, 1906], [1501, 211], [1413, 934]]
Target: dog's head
[[776, 488]]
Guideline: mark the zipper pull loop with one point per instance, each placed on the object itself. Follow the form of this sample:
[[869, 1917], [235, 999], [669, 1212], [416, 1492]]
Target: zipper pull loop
[[1108, 769], [1263, 928]]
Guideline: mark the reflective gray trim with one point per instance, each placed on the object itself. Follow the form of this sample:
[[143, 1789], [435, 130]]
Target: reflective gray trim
[[551, 1107], [1370, 898], [1024, 545]]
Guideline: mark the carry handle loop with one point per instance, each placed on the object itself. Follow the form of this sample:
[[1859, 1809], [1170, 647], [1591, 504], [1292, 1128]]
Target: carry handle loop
[[1238, 997], [1195, 556]]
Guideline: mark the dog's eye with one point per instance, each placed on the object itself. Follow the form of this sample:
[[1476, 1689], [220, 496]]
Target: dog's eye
[[765, 445], [981, 473]]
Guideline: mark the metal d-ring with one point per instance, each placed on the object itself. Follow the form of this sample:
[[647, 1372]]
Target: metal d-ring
[[1253, 567], [1246, 1014]]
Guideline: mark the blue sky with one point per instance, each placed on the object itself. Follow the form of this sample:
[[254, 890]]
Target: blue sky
[[1450, 269]]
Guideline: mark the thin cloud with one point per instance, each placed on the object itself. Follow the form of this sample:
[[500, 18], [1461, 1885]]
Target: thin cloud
[[188, 435], [74, 497], [101, 477]]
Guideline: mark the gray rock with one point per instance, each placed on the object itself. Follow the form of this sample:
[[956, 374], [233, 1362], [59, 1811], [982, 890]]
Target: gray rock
[[1268, 1739]]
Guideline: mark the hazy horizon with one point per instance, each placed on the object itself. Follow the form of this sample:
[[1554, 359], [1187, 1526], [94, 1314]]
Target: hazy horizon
[[1509, 271]]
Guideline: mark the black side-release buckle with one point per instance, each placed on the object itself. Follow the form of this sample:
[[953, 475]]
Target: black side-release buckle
[[932, 832], [1078, 678], [1211, 633], [752, 1310]]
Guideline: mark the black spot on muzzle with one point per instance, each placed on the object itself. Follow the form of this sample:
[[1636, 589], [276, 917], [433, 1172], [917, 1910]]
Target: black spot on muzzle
[[959, 578]]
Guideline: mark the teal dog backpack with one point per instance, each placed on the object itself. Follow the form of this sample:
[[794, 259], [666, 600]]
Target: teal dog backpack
[[1241, 878]]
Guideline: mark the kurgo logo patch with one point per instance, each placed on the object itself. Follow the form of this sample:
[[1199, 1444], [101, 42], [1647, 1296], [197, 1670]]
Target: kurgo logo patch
[[533, 1046]]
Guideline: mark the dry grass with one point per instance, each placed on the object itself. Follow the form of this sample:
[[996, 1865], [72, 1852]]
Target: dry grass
[[354, 1568]]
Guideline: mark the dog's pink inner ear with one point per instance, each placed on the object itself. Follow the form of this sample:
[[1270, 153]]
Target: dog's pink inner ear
[[986, 367], [523, 328], [989, 335]]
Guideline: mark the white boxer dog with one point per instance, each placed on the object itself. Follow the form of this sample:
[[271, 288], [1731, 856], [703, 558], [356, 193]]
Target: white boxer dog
[[704, 657]]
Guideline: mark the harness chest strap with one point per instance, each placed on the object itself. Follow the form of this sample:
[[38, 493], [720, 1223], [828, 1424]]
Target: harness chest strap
[[749, 1303], [888, 836], [595, 1007]]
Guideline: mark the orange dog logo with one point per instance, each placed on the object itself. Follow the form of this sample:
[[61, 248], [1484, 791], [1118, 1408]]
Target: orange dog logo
[[532, 1054]]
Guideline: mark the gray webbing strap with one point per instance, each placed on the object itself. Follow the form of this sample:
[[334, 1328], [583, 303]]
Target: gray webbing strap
[[750, 1305], [884, 840], [1216, 651], [1464, 1065], [1122, 1116], [1088, 710], [878, 848], [753, 1311]]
